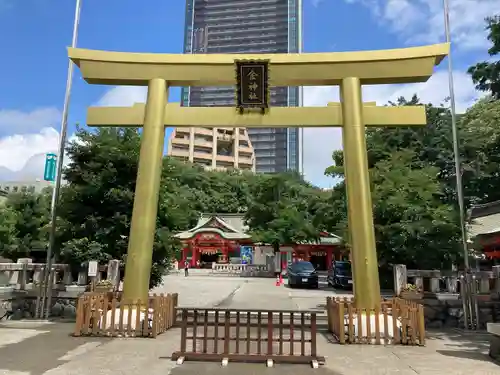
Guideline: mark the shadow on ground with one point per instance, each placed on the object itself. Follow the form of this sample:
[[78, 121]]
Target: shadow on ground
[[461, 344], [189, 368], [44, 351]]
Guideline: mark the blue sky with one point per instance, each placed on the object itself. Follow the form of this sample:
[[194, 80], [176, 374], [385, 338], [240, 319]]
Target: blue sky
[[34, 35]]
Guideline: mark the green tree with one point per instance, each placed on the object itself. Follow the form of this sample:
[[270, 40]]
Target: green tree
[[8, 231], [486, 74], [413, 191], [412, 224], [282, 210], [25, 224], [96, 205]]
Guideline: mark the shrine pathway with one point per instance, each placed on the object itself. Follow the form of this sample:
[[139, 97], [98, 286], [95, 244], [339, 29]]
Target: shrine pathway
[[28, 348]]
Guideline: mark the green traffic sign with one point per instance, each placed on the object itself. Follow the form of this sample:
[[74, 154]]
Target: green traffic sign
[[50, 167]]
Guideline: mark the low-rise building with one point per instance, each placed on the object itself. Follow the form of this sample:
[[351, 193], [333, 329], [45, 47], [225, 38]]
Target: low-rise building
[[34, 186], [213, 148]]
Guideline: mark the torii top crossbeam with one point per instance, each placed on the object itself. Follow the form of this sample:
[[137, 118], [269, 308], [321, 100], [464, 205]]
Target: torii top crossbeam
[[406, 65]]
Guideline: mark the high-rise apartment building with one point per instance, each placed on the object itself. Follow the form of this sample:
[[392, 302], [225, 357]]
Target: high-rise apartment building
[[215, 148], [249, 26]]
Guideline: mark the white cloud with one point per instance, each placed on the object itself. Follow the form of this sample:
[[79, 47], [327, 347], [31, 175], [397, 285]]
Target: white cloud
[[22, 156], [123, 96], [319, 143], [422, 21], [26, 122]]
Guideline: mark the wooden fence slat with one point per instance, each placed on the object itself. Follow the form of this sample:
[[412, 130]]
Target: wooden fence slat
[[205, 331], [351, 312], [281, 340], [368, 326], [137, 329], [88, 316], [79, 318], [237, 349], [270, 333], [314, 334], [386, 325], [248, 333], [227, 331], [421, 325], [216, 333], [195, 329], [302, 334], [341, 323]]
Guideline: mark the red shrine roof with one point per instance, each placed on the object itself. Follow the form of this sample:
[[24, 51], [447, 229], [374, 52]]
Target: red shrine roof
[[212, 223]]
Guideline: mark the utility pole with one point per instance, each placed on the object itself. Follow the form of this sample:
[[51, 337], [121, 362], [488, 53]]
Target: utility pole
[[456, 147], [46, 294]]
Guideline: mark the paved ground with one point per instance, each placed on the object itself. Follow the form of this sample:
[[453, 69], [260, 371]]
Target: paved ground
[[35, 349]]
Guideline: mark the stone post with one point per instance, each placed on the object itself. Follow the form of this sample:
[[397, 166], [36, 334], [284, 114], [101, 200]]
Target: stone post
[[484, 285], [400, 278], [23, 274], [113, 273], [496, 275], [434, 284], [451, 284], [419, 283], [82, 277], [38, 274], [67, 277]]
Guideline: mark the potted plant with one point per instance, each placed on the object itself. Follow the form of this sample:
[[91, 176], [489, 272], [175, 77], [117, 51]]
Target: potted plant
[[104, 286], [411, 292]]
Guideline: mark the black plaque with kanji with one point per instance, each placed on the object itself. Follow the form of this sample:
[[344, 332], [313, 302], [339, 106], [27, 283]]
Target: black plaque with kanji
[[252, 84]]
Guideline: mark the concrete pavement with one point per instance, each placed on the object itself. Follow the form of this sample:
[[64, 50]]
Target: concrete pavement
[[36, 349]]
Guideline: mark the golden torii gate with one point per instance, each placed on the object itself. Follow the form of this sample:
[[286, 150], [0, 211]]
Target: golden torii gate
[[349, 70]]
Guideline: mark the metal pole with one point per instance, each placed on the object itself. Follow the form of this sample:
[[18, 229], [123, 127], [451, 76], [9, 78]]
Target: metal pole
[[60, 162], [300, 23], [456, 149]]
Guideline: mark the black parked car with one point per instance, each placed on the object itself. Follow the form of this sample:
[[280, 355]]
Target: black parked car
[[302, 274], [340, 275]]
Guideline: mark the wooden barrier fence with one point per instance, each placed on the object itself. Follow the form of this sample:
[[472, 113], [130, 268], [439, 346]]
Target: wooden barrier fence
[[397, 321], [107, 314], [248, 336]]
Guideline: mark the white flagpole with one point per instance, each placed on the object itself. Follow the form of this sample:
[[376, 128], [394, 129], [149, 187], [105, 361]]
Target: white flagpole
[[45, 308], [456, 149]]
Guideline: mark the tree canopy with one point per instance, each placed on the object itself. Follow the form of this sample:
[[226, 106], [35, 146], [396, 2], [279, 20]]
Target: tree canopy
[[282, 210], [414, 186], [24, 226], [486, 74]]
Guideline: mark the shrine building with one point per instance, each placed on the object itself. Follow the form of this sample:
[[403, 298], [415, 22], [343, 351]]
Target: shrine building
[[223, 238], [216, 238], [484, 231]]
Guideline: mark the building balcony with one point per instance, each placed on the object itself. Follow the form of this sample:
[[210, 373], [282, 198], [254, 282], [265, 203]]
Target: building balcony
[[178, 152], [225, 158], [203, 131], [203, 143], [202, 155], [245, 160], [180, 141]]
